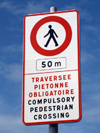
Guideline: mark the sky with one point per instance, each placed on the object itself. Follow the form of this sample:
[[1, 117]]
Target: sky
[[11, 60]]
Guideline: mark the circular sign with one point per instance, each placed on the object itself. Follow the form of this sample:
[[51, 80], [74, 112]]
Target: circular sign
[[58, 50], [57, 29]]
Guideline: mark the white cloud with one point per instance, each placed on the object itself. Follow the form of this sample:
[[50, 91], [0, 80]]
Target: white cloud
[[5, 4], [85, 15], [13, 124], [12, 48], [94, 29], [10, 124], [37, 7], [86, 57], [2, 105], [91, 113], [90, 82], [71, 128], [82, 12], [12, 72], [30, 7], [14, 29], [90, 28]]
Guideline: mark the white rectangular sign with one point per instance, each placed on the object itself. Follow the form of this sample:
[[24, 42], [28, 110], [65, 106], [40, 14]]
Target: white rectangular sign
[[51, 68], [53, 63]]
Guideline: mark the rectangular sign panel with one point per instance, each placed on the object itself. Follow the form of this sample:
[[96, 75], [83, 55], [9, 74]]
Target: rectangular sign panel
[[51, 68]]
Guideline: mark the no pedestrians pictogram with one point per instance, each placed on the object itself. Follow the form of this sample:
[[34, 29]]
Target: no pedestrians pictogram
[[58, 50]]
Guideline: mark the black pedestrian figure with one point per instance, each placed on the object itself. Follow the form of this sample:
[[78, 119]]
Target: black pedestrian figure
[[51, 32]]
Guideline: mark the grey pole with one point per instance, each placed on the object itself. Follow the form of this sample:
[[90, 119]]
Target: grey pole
[[53, 9], [53, 128]]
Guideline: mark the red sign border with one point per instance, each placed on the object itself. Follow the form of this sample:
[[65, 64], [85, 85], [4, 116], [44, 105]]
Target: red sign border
[[60, 49], [79, 81]]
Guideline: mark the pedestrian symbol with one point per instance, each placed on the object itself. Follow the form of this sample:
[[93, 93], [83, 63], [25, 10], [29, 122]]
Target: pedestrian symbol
[[52, 33]]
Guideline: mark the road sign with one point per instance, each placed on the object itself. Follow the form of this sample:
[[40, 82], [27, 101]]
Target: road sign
[[51, 68]]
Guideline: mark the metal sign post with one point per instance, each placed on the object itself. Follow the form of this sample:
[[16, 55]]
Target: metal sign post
[[53, 128]]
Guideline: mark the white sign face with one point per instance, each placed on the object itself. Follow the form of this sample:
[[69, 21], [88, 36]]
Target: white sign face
[[51, 68]]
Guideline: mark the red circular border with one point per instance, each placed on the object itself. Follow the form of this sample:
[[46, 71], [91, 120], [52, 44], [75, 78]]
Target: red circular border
[[60, 49]]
